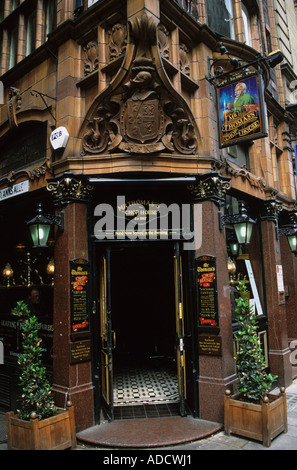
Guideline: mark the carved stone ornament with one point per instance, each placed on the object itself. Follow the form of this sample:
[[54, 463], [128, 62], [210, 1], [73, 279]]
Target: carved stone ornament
[[224, 166], [91, 57], [69, 189], [163, 42], [184, 59], [141, 116], [117, 40], [13, 105]]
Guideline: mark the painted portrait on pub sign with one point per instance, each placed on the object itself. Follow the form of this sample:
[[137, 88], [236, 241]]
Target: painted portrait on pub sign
[[240, 111]]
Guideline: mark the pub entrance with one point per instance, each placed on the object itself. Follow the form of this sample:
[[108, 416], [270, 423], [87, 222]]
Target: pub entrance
[[142, 347]]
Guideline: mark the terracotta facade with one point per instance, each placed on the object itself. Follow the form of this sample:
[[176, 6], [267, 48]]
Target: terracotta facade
[[133, 84]]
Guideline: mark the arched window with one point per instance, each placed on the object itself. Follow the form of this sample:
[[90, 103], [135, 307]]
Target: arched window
[[220, 17]]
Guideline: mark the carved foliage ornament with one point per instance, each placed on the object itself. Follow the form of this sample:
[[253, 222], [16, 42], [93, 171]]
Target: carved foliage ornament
[[117, 41], [91, 57], [13, 105]]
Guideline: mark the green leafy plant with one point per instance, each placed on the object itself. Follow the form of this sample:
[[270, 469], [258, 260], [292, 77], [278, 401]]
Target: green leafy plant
[[36, 391], [253, 381]]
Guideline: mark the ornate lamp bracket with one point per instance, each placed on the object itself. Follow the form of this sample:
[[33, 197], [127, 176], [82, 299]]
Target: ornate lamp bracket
[[42, 96]]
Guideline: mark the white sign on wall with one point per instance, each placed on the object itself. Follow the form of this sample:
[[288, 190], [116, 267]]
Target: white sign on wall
[[252, 280], [14, 190], [59, 138], [280, 279]]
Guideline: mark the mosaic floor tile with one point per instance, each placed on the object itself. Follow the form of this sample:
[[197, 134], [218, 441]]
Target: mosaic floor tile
[[140, 386]]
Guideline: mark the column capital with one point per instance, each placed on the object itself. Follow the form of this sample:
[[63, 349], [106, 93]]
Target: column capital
[[70, 188], [210, 186], [271, 210]]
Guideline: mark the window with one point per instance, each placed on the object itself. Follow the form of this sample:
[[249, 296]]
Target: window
[[13, 50], [220, 17], [239, 154], [31, 33], [50, 16], [15, 4], [246, 25]]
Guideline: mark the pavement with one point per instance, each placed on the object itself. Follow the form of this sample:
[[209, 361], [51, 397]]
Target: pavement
[[216, 441]]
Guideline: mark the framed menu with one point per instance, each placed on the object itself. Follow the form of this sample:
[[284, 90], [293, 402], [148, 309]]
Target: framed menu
[[206, 282], [79, 295]]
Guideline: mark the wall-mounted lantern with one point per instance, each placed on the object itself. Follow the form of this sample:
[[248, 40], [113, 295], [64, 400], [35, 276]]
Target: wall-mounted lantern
[[242, 224], [40, 226]]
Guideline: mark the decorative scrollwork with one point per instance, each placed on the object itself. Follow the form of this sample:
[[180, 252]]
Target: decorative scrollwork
[[210, 186], [68, 189]]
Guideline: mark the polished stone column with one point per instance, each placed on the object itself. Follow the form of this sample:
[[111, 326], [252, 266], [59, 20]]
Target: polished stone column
[[70, 381], [216, 372]]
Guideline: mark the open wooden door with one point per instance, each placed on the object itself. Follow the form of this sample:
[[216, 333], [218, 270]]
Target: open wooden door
[[179, 312], [106, 335]]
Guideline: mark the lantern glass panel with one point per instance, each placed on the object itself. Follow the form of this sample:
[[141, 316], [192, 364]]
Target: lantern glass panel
[[40, 234]]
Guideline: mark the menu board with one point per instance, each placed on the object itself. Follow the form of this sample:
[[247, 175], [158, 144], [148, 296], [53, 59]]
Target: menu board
[[79, 295], [206, 283]]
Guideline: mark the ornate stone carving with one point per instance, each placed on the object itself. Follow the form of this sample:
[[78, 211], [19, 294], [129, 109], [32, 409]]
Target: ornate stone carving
[[13, 105], [184, 63], [227, 167], [117, 40], [68, 189], [91, 57], [32, 174], [210, 186], [140, 116], [163, 42]]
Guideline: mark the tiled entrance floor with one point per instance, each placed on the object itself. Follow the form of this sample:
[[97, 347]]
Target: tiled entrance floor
[[135, 386]]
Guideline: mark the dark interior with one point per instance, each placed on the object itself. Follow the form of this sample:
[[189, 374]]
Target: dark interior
[[143, 305]]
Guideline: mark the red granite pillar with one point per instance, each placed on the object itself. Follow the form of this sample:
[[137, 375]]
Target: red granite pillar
[[279, 353], [216, 372], [70, 381]]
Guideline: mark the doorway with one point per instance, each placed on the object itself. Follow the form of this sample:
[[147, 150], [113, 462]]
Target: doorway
[[143, 318], [142, 365]]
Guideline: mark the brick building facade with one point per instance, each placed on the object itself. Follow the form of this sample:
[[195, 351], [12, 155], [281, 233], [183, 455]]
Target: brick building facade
[[138, 90]]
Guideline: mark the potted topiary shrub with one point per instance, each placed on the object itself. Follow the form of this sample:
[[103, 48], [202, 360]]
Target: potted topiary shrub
[[38, 424], [253, 412]]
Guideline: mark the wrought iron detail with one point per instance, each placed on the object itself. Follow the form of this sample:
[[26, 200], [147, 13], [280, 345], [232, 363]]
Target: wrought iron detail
[[68, 189], [210, 187], [271, 210]]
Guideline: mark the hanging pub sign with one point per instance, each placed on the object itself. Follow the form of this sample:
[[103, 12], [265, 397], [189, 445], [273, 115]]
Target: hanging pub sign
[[79, 295], [206, 283], [240, 104]]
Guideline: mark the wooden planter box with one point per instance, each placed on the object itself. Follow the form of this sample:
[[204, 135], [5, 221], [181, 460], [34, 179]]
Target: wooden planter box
[[54, 433], [262, 422]]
